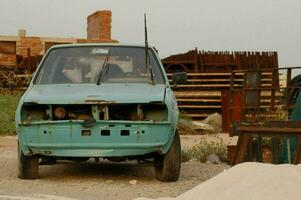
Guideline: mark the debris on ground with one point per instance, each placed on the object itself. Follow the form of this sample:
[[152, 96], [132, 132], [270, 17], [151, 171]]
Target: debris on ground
[[215, 121], [186, 127], [212, 124], [133, 182], [248, 181], [201, 126], [213, 158]]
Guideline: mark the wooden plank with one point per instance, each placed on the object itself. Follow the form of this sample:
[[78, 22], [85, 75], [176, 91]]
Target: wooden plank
[[219, 80], [200, 106], [198, 93], [22, 75], [270, 130], [242, 144], [200, 100], [205, 74], [215, 85], [268, 100], [297, 151], [8, 47], [207, 80], [197, 114], [178, 62], [220, 74]]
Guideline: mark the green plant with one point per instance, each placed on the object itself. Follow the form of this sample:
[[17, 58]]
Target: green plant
[[8, 105], [204, 148], [186, 155]]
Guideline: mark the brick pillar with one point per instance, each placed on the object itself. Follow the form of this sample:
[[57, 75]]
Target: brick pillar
[[99, 25]]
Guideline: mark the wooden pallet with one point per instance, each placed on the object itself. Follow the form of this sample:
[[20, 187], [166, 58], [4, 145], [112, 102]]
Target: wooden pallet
[[201, 96]]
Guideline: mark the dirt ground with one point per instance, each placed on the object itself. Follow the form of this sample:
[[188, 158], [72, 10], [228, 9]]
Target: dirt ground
[[104, 180]]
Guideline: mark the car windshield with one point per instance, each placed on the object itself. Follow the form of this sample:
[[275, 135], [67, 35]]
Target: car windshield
[[106, 63]]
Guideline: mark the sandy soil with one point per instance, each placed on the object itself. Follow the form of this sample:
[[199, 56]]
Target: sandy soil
[[249, 181], [96, 180]]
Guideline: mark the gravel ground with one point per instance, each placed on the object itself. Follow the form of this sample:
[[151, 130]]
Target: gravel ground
[[104, 180]]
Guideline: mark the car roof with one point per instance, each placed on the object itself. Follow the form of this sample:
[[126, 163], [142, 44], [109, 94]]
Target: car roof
[[97, 44]]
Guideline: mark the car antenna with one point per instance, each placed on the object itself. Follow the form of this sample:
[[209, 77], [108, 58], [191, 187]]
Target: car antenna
[[147, 59]]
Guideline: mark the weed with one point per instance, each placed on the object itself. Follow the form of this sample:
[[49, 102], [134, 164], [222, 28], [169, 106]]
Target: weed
[[8, 106], [204, 148], [186, 155]]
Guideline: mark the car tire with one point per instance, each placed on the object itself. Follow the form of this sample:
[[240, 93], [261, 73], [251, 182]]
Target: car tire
[[167, 166], [28, 165]]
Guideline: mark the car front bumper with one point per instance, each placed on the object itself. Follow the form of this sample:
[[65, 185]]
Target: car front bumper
[[71, 139]]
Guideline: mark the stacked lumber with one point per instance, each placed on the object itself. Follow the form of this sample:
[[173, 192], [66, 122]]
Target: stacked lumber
[[201, 96], [209, 74]]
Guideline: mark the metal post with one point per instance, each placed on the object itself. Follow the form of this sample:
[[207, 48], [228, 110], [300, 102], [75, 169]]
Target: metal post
[[288, 151]]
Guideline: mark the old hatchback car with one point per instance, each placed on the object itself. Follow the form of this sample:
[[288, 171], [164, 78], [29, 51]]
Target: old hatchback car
[[99, 101]]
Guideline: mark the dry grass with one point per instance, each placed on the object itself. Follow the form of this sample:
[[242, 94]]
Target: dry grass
[[204, 148]]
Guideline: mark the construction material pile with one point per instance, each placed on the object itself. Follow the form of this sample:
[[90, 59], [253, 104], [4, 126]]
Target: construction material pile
[[249, 181]]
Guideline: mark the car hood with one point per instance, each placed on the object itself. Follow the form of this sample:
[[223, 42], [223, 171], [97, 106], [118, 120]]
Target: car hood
[[92, 93]]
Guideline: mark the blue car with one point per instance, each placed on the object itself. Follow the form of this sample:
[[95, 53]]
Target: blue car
[[107, 101]]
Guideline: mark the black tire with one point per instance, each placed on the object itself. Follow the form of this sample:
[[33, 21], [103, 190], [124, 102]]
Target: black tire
[[28, 165], [168, 166]]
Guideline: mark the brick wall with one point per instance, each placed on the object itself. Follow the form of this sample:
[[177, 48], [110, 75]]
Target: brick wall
[[34, 43], [99, 25], [8, 59]]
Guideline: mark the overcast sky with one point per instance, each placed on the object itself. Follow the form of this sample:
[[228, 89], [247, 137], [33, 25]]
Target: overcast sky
[[174, 26]]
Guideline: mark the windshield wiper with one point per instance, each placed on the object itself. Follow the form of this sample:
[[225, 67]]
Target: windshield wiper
[[104, 65], [151, 75], [147, 65]]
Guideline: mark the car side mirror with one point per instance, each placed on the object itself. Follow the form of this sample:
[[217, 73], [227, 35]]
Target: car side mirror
[[179, 78]]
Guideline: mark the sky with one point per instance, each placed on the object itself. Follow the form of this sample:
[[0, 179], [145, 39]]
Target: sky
[[174, 26]]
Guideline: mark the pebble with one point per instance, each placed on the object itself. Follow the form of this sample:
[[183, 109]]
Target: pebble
[[133, 182]]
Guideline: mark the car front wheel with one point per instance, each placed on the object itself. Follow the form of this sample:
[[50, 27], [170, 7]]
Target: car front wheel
[[28, 165], [167, 166]]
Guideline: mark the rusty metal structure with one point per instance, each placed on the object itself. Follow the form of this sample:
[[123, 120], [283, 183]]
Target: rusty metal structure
[[209, 75], [256, 109]]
